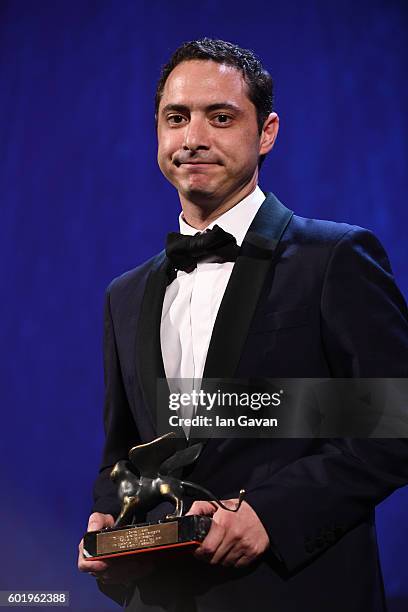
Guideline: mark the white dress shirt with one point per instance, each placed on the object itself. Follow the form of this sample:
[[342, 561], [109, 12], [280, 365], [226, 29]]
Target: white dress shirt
[[192, 301]]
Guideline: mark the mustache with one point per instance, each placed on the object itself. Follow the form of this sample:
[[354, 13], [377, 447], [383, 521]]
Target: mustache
[[187, 157]]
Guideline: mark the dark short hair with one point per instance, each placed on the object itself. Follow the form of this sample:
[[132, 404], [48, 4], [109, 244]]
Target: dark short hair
[[258, 80]]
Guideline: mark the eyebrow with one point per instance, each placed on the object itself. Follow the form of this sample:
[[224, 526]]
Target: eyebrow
[[182, 108]]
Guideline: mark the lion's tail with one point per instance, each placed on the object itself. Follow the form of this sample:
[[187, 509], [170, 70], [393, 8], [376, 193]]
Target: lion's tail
[[193, 489]]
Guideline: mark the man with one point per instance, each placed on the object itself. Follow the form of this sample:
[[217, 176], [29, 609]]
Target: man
[[304, 298]]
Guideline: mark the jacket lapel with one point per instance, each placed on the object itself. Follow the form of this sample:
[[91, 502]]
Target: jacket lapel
[[244, 287], [241, 296], [148, 349]]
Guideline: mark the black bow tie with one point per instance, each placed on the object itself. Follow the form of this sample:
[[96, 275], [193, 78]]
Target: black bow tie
[[185, 251]]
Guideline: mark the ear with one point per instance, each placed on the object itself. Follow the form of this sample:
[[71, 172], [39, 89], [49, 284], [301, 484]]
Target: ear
[[269, 133]]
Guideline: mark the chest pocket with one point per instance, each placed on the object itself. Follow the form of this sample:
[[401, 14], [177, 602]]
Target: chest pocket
[[283, 319]]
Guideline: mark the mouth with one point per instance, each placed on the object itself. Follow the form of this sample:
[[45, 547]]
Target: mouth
[[197, 168], [198, 162], [195, 165]]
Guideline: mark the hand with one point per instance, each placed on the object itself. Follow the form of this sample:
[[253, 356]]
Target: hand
[[120, 570], [235, 538]]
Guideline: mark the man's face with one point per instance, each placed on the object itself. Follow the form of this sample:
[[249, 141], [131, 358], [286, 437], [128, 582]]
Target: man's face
[[207, 131]]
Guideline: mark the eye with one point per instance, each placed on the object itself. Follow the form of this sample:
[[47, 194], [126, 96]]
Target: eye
[[222, 118], [175, 119]]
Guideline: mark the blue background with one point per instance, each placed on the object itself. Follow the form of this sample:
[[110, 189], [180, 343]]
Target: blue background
[[82, 200]]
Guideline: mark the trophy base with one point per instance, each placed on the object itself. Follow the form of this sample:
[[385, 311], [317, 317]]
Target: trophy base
[[183, 531]]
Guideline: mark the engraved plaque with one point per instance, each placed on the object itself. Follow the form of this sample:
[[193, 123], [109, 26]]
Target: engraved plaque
[[111, 542], [146, 536]]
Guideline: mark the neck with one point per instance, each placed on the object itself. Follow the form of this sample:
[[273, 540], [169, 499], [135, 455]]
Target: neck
[[199, 212]]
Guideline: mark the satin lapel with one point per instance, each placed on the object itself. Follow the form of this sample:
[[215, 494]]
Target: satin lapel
[[244, 287], [243, 290], [148, 347]]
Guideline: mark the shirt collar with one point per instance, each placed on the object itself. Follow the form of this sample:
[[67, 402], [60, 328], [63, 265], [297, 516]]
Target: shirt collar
[[236, 220]]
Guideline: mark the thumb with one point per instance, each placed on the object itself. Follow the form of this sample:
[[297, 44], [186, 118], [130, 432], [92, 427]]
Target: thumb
[[97, 521], [202, 508]]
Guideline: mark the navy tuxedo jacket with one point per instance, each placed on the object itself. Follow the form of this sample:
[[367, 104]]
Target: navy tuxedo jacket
[[306, 298]]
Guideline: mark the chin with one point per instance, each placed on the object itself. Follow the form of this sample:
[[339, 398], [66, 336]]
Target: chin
[[199, 194]]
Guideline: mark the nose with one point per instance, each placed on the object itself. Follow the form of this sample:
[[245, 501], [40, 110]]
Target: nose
[[196, 135]]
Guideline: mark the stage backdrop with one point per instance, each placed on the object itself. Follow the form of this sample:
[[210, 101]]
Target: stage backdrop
[[82, 200]]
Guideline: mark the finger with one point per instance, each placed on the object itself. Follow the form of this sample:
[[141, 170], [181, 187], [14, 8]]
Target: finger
[[211, 542], [243, 561], [86, 565], [232, 557], [235, 560], [202, 508], [225, 552], [230, 503], [232, 540], [97, 521], [92, 566]]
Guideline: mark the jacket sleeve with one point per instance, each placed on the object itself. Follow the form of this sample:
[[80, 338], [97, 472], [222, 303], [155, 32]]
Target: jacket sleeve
[[120, 428], [310, 504]]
